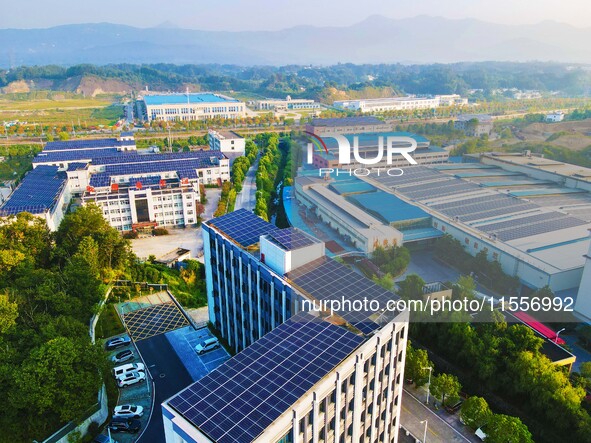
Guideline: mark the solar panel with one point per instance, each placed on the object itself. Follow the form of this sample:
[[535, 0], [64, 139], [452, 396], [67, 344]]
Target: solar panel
[[37, 193], [242, 226], [326, 279], [237, 401], [292, 238]]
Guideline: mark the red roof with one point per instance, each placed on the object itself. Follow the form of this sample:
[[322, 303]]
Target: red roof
[[537, 326]]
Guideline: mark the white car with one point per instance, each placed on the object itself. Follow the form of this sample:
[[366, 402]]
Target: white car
[[128, 411], [480, 433], [130, 378], [130, 367], [207, 345]]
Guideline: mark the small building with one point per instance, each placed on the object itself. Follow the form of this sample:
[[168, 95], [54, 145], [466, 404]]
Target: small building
[[475, 125], [173, 257], [436, 291], [226, 142], [555, 117]]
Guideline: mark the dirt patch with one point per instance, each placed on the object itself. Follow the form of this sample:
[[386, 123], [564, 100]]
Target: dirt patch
[[571, 135]]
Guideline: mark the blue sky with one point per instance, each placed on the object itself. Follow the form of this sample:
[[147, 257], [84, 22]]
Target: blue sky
[[280, 14]]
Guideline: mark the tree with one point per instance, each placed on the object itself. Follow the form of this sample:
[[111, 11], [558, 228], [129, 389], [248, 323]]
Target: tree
[[475, 412], [411, 288], [465, 288], [585, 369], [416, 362], [61, 377], [445, 386], [8, 314], [506, 429]]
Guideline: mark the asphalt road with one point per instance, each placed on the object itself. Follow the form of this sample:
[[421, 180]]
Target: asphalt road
[[247, 197], [170, 377], [438, 430]]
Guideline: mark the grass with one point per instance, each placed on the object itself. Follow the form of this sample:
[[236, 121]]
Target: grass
[[108, 323]]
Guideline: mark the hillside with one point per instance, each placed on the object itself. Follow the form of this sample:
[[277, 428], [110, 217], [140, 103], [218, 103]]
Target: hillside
[[376, 39]]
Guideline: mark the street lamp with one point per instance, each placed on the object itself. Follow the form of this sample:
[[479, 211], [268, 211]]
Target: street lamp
[[557, 334], [430, 369], [425, 434]]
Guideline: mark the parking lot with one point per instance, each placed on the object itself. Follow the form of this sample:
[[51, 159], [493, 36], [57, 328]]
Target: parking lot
[[138, 394], [153, 320]]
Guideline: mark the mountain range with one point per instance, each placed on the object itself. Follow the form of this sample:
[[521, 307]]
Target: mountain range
[[377, 39]]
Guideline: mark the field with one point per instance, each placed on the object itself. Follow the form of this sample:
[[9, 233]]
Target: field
[[60, 109]]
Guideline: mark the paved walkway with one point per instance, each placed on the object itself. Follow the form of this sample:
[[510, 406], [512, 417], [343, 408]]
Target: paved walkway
[[442, 427]]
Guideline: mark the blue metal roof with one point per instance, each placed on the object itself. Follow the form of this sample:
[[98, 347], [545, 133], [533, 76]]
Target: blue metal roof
[[179, 99], [74, 155], [86, 144], [37, 193], [387, 207]]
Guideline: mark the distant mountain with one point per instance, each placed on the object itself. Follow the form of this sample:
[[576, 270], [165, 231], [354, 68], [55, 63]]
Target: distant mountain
[[377, 39]]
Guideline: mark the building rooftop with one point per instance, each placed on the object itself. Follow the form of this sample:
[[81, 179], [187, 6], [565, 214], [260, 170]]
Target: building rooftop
[[100, 143], [240, 399], [37, 193], [327, 279], [179, 99], [228, 135], [388, 207], [290, 239], [242, 226], [482, 118], [346, 121]]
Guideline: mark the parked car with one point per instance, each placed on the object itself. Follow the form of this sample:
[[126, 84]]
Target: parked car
[[117, 342], [207, 345], [454, 407], [130, 367], [480, 433], [102, 438], [128, 411], [125, 425], [130, 378], [123, 356]]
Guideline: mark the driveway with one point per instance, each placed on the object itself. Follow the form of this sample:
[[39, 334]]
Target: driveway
[[247, 197]]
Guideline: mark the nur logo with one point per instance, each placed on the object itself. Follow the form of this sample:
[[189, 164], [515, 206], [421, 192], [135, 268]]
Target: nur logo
[[393, 145]]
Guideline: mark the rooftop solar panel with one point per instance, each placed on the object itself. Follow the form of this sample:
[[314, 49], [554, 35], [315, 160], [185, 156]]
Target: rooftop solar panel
[[326, 279], [292, 238], [242, 226], [237, 401], [37, 192], [86, 144]]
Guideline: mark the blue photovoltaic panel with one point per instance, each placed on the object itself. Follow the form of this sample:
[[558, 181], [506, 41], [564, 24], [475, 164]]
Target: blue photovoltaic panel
[[64, 156], [37, 192], [237, 401], [326, 279], [292, 238], [134, 157], [86, 144], [242, 226], [75, 166]]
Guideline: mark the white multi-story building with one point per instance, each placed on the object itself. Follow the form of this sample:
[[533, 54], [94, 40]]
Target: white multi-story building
[[227, 142], [283, 105], [407, 103], [303, 374], [191, 106]]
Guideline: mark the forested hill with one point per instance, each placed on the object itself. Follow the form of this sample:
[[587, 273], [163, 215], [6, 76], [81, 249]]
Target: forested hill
[[327, 83]]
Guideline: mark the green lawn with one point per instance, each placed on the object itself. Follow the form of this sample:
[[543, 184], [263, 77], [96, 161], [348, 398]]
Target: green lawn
[[108, 323]]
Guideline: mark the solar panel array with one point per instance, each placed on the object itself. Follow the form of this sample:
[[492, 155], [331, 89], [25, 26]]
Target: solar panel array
[[66, 156], [37, 192], [326, 279], [239, 400], [512, 208], [522, 228], [292, 238], [134, 157], [76, 166], [412, 175], [242, 226], [87, 144], [438, 189], [443, 207]]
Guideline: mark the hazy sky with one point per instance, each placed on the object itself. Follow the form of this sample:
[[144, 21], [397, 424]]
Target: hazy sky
[[280, 14]]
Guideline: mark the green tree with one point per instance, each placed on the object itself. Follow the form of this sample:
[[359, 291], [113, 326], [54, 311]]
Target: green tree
[[8, 314], [506, 429], [445, 386], [411, 288], [475, 412], [465, 288], [416, 362]]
